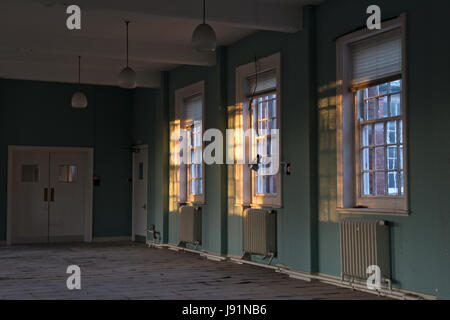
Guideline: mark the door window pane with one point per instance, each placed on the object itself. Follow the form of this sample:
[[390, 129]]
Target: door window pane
[[68, 174], [30, 173], [141, 171]]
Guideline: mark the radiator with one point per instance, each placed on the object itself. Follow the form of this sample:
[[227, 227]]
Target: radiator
[[364, 243], [260, 232], [190, 225]]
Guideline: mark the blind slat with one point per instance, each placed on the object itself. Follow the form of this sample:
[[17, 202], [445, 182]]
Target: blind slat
[[377, 57], [192, 109], [265, 81]]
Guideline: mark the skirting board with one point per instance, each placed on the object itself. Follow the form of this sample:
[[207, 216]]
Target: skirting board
[[110, 239]]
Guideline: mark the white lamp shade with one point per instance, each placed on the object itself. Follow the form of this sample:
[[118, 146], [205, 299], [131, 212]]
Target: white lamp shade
[[79, 100], [127, 78], [204, 38]]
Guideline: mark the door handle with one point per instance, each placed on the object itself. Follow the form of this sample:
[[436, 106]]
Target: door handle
[[52, 194], [45, 194], [144, 207]]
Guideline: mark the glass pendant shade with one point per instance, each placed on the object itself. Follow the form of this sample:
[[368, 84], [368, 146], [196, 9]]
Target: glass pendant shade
[[127, 78], [204, 38], [79, 100]]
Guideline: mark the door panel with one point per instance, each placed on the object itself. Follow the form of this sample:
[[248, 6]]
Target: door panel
[[140, 167], [67, 196], [30, 182]]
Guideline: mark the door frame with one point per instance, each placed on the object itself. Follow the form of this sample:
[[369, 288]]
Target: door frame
[[133, 209], [88, 205]]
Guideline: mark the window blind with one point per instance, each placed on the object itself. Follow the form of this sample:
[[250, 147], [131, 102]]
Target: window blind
[[192, 109], [265, 81], [377, 57]]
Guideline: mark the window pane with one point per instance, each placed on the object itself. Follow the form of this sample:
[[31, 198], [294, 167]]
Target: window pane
[[379, 158], [371, 109], [400, 151], [372, 92], [261, 127], [259, 184], [402, 191], [400, 133], [192, 187], [380, 183], [382, 107], [367, 183], [264, 112], [383, 88], [274, 185], [30, 173], [392, 184], [367, 159], [367, 135], [395, 105], [392, 158], [379, 133], [273, 124], [273, 109], [260, 146], [268, 150], [391, 137], [199, 171], [396, 86]]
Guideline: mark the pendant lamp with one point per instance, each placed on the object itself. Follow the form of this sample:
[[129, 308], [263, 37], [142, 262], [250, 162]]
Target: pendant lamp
[[127, 77], [204, 37], [79, 100]]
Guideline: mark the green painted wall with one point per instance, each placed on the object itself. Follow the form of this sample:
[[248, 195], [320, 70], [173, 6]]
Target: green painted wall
[[296, 220], [222, 227], [214, 210], [39, 113], [420, 242], [143, 125], [308, 234]]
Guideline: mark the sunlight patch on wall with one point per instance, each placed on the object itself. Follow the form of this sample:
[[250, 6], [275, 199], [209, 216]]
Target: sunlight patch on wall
[[327, 153], [174, 167], [235, 177]]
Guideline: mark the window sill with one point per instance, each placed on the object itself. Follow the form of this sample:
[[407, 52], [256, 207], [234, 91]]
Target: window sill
[[373, 211], [265, 206]]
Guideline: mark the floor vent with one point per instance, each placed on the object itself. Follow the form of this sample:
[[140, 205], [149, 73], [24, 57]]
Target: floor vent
[[190, 225], [364, 243], [260, 232]]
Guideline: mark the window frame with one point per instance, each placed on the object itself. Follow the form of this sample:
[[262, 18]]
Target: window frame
[[349, 200], [243, 73], [181, 95]]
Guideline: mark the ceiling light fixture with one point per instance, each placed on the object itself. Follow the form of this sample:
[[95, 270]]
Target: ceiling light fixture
[[127, 77], [204, 37], [79, 100]]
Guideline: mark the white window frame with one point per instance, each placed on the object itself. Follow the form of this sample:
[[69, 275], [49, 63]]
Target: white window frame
[[180, 97], [348, 179], [243, 73]]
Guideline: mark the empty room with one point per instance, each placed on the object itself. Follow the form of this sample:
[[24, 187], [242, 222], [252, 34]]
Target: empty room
[[224, 150]]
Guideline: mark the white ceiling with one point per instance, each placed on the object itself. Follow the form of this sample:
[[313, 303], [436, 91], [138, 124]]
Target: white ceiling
[[36, 45]]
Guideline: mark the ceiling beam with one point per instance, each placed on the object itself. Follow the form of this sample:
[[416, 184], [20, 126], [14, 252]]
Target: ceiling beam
[[250, 14], [140, 52], [47, 71]]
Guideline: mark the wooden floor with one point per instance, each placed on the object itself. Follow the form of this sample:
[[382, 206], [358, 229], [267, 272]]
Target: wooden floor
[[132, 271]]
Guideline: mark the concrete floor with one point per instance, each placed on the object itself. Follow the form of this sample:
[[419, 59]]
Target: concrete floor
[[132, 271]]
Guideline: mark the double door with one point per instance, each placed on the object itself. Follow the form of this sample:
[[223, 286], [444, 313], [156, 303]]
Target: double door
[[48, 196]]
